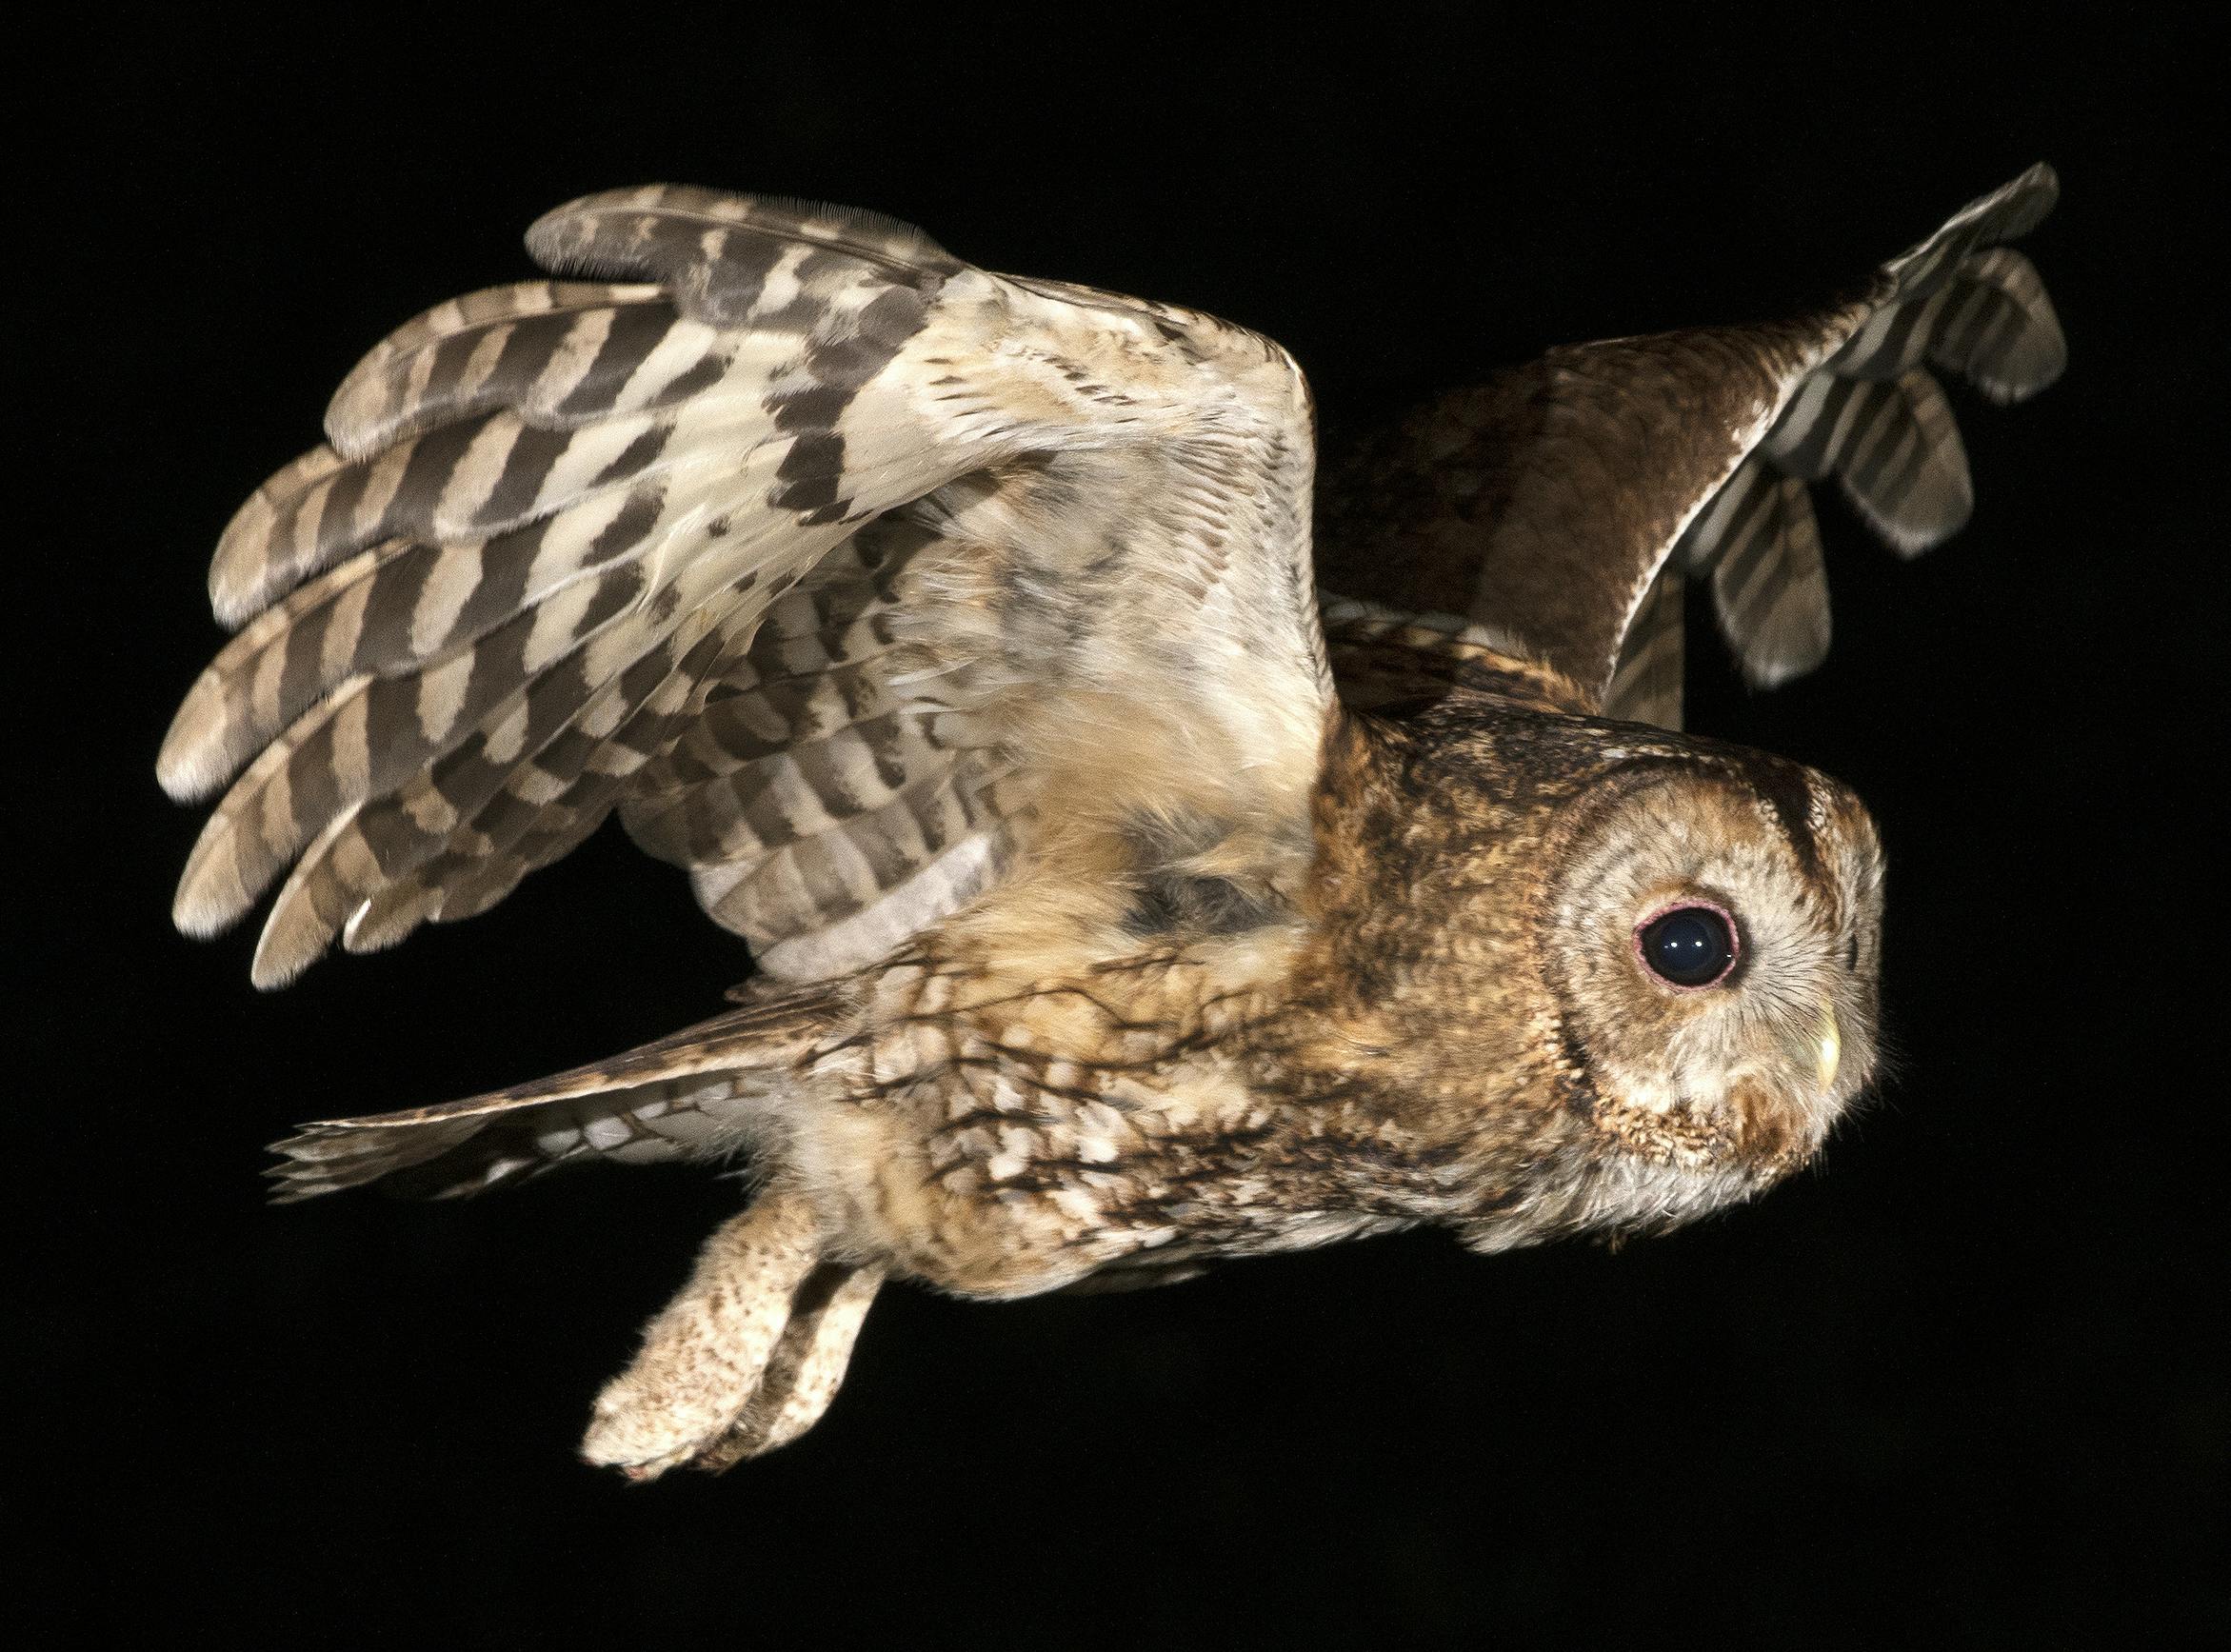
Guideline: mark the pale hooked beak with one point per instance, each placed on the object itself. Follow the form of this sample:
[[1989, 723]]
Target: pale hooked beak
[[1823, 1050], [1831, 1051]]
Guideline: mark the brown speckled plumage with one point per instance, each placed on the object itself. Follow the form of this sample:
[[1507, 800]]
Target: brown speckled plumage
[[1120, 908]]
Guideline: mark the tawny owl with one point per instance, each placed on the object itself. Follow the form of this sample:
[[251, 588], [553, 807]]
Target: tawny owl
[[1120, 905]]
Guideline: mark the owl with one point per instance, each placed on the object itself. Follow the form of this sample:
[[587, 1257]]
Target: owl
[[1119, 903]]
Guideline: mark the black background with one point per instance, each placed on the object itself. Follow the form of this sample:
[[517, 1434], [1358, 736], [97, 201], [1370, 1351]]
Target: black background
[[1949, 1386]]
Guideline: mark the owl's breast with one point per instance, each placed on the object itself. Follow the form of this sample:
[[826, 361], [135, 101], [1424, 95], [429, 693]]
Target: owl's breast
[[994, 1145], [1001, 1174]]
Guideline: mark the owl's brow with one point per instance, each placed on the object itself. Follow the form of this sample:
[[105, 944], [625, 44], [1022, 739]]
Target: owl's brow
[[1788, 792]]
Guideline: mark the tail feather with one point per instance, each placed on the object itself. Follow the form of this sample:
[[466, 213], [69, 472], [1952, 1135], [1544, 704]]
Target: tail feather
[[700, 1093]]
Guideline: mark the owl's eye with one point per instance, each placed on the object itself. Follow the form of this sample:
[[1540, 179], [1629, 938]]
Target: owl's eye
[[1689, 946]]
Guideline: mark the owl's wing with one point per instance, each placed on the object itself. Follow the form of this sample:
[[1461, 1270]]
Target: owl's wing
[[831, 562], [1564, 505]]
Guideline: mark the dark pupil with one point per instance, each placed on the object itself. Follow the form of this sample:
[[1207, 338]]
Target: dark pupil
[[1689, 946]]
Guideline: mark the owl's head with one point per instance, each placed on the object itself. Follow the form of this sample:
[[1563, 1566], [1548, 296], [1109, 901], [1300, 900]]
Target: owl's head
[[1707, 931], [1650, 957]]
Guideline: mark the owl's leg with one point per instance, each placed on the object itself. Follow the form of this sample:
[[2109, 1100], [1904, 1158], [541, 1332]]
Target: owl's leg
[[705, 1352], [807, 1365]]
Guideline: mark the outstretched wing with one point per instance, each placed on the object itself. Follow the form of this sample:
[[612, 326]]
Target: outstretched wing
[[1565, 504], [836, 564]]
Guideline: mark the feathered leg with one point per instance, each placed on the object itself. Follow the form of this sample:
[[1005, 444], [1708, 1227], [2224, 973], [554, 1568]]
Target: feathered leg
[[704, 1355], [807, 1365]]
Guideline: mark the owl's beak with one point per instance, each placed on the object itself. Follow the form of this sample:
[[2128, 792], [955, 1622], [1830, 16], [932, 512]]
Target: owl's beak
[[1822, 1049], [1831, 1051]]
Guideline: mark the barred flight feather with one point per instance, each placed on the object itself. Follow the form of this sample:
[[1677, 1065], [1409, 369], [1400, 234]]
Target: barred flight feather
[[812, 736], [1570, 501], [1646, 684], [778, 888], [392, 874], [1770, 583], [1875, 420], [559, 353], [803, 941], [525, 583]]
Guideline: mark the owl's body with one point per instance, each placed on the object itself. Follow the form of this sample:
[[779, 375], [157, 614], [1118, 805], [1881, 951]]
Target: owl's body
[[1118, 914]]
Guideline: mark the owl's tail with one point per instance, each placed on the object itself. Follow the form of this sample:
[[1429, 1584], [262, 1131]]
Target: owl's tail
[[700, 1093]]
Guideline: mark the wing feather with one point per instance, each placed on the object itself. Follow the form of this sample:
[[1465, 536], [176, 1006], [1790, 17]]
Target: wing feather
[[637, 542], [558, 353], [1548, 503], [1771, 588], [1647, 686]]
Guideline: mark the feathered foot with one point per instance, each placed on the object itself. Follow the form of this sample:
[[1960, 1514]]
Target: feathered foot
[[745, 1359], [806, 1368]]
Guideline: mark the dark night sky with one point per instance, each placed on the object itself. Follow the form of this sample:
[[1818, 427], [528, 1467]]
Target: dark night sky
[[1950, 1384]]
